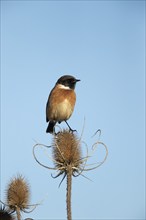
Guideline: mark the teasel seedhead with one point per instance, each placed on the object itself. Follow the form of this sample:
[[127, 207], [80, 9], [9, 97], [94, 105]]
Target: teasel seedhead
[[66, 151], [68, 159], [5, 214], [18, 193], [17, 197]]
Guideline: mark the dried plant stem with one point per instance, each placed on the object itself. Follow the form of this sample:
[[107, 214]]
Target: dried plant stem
[[68, 193], [18, 213]]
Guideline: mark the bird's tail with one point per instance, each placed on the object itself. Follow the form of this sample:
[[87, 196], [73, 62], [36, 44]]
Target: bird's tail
[[50, 128]]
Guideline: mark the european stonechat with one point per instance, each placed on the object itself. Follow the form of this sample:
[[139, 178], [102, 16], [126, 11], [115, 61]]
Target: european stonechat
[[61, 102]]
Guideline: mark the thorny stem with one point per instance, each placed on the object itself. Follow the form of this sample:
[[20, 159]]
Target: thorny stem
[[68, 192], [18, 213]]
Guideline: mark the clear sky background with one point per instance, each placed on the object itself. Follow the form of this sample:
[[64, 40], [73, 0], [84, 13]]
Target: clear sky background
[[103, 44]]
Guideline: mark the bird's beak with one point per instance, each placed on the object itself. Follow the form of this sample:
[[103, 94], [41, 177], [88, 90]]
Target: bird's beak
[[77, 80]]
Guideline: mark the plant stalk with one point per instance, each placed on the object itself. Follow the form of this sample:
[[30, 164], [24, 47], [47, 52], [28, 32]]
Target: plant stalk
[[18, 213], [68, 193]]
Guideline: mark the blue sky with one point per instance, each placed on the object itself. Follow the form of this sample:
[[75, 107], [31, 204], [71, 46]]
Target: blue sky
[[103, 44]]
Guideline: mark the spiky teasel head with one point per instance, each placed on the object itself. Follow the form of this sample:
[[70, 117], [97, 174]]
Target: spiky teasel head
[[67, 151], [67, 155], [18, 193], [5, 214]]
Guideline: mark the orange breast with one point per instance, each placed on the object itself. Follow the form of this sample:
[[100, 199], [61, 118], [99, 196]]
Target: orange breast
[[60, 104]]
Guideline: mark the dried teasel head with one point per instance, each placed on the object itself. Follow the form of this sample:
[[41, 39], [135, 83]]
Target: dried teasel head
[[18, 193], [67, 155], [5, 214], [67, 151]]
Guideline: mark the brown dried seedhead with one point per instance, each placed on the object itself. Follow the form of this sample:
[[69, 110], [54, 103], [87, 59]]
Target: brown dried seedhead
[[67, 155], [66, 151], [18, 193]]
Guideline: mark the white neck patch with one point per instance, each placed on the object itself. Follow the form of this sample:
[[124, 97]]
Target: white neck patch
[[60, 86]]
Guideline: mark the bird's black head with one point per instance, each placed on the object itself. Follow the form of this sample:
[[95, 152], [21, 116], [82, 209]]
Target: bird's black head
[[68, 81]]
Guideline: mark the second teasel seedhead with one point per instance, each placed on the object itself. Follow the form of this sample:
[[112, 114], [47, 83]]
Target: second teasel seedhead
[[17, 198], [66, 151], [18, 193]]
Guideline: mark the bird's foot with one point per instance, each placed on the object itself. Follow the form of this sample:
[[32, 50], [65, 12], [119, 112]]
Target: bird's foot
[[70, 129]]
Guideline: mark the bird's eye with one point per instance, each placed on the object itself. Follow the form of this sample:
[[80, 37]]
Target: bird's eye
[[67, 81]]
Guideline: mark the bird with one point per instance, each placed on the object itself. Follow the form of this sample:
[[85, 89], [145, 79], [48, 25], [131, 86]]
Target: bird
[[61, 102]]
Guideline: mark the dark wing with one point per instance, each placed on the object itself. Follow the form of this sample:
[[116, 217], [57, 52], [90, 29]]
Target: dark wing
[[47, 105]]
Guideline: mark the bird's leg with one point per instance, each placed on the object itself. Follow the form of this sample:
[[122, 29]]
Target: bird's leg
[[70, 129]]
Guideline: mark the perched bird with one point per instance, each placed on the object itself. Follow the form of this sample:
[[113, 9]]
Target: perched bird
[[61, 102]]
